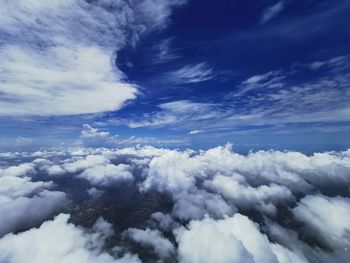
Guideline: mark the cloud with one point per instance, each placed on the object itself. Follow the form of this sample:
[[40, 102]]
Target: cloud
[[24, 203], [97, 169], [195, 132], [83, 76], [19, 170], [59, 59], [326, 218], [224, 241], [93, 137], [259, 181], [162, 53], [152, 239], [339, 62], [263, 197], [90, 132], [271, 79], [309, 105], [25, 211], [108, 174], [272, 11], [195, 205], [13, 187], [59, 241], [174, 112], [89, 161], [191, 74]]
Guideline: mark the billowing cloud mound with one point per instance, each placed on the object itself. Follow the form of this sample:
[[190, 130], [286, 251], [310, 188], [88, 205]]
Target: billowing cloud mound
[[179, 205], [153, 239], [326, 218], [24, 203], [59, 241]]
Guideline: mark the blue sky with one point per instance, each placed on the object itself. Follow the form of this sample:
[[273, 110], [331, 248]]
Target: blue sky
[[196, 73]]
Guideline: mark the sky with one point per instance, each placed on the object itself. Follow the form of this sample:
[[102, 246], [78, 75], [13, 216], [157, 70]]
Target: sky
[[177, 74]]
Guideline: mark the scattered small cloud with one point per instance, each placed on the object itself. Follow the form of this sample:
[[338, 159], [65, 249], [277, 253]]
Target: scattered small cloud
[[272, 11], [193, 132], [333, 63], [191, 74]]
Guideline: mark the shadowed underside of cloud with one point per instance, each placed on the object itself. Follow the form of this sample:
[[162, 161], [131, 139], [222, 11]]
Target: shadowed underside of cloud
[[266, 206]]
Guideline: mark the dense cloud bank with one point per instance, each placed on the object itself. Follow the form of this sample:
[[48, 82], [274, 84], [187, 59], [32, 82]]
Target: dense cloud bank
[[175, 206]]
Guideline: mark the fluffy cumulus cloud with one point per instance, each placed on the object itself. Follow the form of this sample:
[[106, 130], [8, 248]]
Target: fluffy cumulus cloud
[[60, 241], [24, 202], [152, 239], [18, 170], [235, 239], [97, 169], [107, 174], [175, 205], [327, 218], [59, 58], [263, 197], [259, 180], [27, 211]]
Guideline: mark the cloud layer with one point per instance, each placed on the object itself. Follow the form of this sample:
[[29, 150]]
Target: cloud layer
[[182, 205]]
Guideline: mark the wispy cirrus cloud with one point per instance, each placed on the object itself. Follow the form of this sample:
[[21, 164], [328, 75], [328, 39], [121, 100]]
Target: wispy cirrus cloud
[[163, 52], [191, 74], [336, 63], [175, 112], [272, 11], [262, 99]]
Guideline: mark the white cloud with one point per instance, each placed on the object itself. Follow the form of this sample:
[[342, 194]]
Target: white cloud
[[172, 172], [19, 170], [335, 63], [195, 132], [197, 204], [24, 203], [90, 132], [107, 174], [263, 197], [93, 137], [55, 170], [272, 11], [59, 58], [235, 239], [97, 169], [174, 112], [83, 163], [191, 74], [13, 187], [153, 239], [326, 218], [284, 255], [59, 241], [61, 81], [214, 187], [25, 211]]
